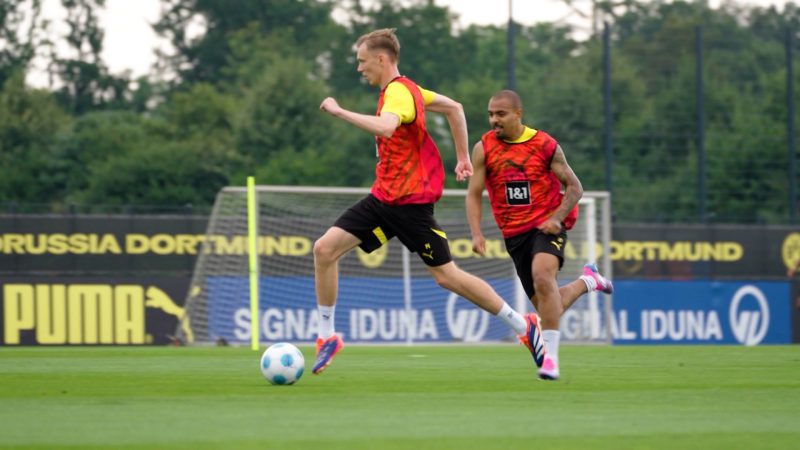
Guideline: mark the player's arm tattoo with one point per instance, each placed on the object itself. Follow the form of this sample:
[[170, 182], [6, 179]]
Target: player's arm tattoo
[[573, 190]]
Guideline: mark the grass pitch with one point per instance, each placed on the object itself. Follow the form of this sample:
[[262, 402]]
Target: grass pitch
[[421, 397]]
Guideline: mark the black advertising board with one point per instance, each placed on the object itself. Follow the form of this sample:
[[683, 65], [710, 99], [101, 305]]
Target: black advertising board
[[690, 252], [122, 279], [135, 245], [91, 244], [90, 310]]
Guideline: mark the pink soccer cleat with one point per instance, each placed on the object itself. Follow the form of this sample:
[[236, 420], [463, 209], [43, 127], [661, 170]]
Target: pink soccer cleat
[[549, 370], [602, 283]]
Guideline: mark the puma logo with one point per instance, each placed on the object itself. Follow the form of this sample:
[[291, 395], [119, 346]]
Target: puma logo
[[158, 299], [558, 244]]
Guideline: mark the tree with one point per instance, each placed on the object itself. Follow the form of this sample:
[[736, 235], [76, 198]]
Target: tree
[[30, 120], [280, 130], [744, 112], [162, 173], [181, 155], [86, 82], [201, 58], [250, 82], [21, 35], [92, 139]]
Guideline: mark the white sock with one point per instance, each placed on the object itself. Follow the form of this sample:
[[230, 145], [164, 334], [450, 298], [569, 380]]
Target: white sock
[[551, 338], [591, 283], [512, 318], [326, 321]]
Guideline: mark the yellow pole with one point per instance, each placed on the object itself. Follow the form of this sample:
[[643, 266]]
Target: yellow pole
[[252, 240]]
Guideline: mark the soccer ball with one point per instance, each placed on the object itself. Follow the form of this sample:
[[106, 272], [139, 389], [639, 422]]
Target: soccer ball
[[282, 363]]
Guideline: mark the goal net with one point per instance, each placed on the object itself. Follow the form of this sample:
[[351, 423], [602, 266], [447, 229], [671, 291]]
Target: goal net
[[386, 296]]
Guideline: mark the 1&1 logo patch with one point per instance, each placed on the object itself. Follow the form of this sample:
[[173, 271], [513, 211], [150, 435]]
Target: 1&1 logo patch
[[518, 193]]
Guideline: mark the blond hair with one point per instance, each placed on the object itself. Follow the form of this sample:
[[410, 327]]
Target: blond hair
[[383, 39]]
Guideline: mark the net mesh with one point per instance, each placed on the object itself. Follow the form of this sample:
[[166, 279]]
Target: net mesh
[[385, 296]]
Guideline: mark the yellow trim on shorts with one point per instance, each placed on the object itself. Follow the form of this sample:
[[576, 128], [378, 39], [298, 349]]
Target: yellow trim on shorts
[[439, 232], [380, 235]]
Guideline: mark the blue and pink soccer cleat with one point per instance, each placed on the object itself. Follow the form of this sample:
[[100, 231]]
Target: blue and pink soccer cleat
[[532, 338], [326, 348], [602, 283]]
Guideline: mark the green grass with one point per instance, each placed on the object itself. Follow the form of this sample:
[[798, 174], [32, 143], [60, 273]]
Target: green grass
[[440, 397]]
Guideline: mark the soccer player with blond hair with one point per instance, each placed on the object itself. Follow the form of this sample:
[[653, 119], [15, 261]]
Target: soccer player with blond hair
[[409, 179]]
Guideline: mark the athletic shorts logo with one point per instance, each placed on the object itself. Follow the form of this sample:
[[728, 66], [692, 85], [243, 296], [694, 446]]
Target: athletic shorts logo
[[429, 253], [518, 193], [749, 326]]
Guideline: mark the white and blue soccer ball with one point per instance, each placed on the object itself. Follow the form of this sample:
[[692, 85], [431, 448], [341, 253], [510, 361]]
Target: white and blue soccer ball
[[282, 363]]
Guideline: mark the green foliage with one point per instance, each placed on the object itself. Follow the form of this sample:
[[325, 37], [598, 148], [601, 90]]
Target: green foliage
[[86, 83], [29, 119], [744, 108], [93, 139], [280, 110], [21, 30], [202, 59], [746, 169], [280, 131], [202, 110], [429, 50], [241, 98], [158, 173]]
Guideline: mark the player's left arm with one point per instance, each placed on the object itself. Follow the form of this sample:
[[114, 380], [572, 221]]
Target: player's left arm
[[573, 191], [454, 112], [382, 125]]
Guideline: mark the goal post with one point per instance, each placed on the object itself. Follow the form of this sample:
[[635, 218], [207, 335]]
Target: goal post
[[384, 297]]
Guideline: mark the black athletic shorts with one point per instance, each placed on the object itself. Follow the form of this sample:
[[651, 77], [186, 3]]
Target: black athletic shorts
[[375, 222], [523, 247]]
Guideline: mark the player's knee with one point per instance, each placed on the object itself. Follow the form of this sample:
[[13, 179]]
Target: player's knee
[[323, 252], [446, 283], [443, 279]]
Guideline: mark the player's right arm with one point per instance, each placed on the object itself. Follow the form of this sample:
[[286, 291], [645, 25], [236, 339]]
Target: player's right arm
[[458, 128], [573, 191], [382, 125], [473, 201]]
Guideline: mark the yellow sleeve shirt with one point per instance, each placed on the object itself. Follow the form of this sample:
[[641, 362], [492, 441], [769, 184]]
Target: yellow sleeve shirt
[[398, 101]]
